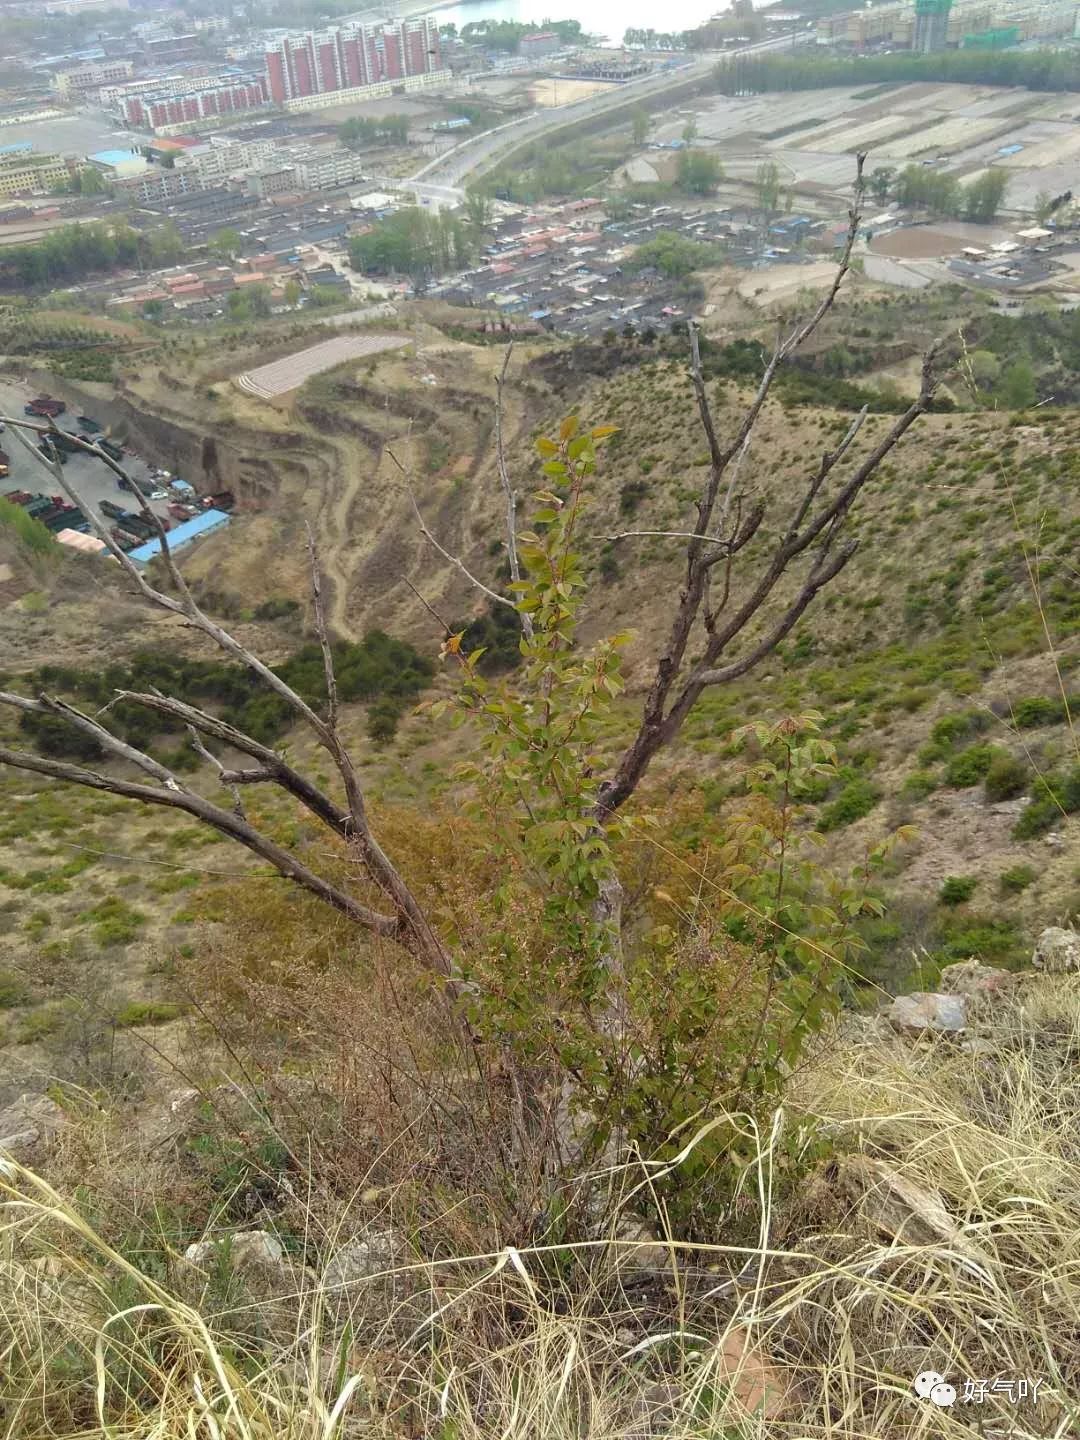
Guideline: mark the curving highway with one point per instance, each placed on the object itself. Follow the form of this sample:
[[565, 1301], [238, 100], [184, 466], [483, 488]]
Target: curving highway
[[443, 177]]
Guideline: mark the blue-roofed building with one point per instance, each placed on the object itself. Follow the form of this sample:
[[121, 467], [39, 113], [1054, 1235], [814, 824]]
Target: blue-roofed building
[[19, 147], [118, 164], [181, 535]]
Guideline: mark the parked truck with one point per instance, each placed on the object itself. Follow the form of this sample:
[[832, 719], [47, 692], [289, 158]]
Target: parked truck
[[135, 524], [87, 422], [45, 405], [53, 511], [5, 466], [147, 487], [51, 451]]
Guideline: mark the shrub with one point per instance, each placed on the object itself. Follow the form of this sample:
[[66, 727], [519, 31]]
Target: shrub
[[957, 889], [1007, 776], [981, 937], [918, 785], [115, 922], [147, 1012], [1054, 796], [951, 728], [277, 608], [382, 720], [970, 766], [1038, 710], [1017, 878], [856, 799], [631, 496], [13, 991]]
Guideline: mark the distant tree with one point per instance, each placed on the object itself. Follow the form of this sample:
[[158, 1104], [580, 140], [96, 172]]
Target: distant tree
[[415, 243], [690, 131], [698, 172], [163, 245], [478, 208], [639, 124], [985, 369], [1043, 207], [153, 310], [1016, 390], [881, 182], [675, 255], [226, 244], [252, 302], [983, 197], [919, 187], [767, 189], [292, 294]]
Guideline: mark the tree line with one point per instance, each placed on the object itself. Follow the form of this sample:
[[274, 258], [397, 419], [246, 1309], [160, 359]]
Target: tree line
[[919, 187], [414, 243], [74, 251], [1032, 70], [508, 34], [356, 132]]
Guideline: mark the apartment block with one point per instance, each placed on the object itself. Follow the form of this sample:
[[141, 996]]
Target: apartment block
[[24, 173], [157, 110], [350, 57], [80, 78]]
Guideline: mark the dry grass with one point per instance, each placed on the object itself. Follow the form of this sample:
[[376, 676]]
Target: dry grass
[[943, 1233]]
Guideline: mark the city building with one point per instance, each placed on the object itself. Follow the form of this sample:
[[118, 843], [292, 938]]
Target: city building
[[158, 110], [76, 7], [326, 170], [221, 157], [168, 48], [80, 78], [156, 183], [118, 164], [274, 180], [931, 25], [544, 42], [350, 57], [940, 25], [22, 172]]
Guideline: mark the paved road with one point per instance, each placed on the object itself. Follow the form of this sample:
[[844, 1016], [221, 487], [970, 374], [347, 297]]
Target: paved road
[[448, 171]]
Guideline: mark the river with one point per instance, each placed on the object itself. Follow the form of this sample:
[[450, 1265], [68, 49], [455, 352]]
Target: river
[[609, 18]]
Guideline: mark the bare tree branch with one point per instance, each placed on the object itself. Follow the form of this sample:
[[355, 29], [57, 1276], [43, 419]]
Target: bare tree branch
[[223, 774], [673, 691], [508, 488], [430, 538], [270, 762], [320, 630], [46, 705], [443, 626], [224, 821]]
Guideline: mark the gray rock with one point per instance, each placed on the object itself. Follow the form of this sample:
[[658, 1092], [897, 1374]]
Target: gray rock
[[246, 1249], [19, 1146], [1056, 951], [371, 1253], [925, 1011], [32, 1112], [972, 978]]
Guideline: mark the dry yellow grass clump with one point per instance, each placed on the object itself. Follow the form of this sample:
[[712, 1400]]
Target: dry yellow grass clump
[[940, 1233]]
